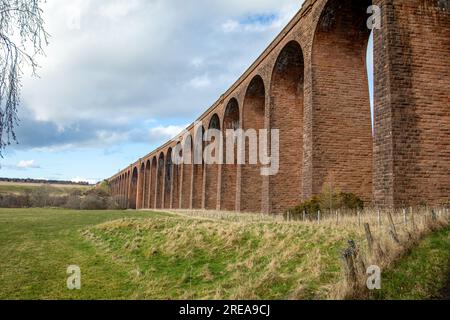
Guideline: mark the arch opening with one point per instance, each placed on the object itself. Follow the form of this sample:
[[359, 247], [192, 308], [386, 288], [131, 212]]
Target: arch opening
[[231, 123], [342, 117], [153, 183], [147, 181], [286, 115], [198, 168], [133, 189], [160, 182], [212, 170], [176, 187], [186, 182], [140, 187], [252, 119], [168, 179]]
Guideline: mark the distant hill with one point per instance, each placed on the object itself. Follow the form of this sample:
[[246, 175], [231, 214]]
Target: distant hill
[[38, 181]]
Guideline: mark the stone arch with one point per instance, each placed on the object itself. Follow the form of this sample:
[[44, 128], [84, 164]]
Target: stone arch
[[286, 115], [231, 123], [212, 169], [160, 181], [176, 176], [153, 180], [140, 187], [124, 191], [198, 168], [186, 180], [168, 179], [120, 198], [342, 129], [132, 202], [252, 119], [147, 182], [127, 188]]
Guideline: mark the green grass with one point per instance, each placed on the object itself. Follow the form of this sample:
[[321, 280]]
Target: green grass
[[420, 275], [148, 255], [37, 246]]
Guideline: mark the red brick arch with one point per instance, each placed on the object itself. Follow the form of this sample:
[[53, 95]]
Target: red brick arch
[[160, 182], [315, 92], [253, 118], [132, 196], [342, 140], [176, 177], [231, 121], [286, 115], [168, 179], [212, 172], [198, 171], [153, 182], [187, 179], [147, 183]]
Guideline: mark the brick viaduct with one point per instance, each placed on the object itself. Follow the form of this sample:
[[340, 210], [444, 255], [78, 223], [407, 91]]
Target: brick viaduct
[[311, 83]]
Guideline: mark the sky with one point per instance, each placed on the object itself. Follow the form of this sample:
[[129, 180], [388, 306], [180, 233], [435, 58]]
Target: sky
[[120, 78]]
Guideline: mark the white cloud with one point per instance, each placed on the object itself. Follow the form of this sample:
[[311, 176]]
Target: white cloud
[[27, 164], [200, 82], [165, 133], [230, 26], [126, 62], [79, 180], [118, 9]]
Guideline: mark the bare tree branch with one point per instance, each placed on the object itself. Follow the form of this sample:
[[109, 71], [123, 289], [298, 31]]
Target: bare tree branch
[[22, 38]]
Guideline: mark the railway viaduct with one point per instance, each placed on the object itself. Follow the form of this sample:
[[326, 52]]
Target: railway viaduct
[[311, 83]]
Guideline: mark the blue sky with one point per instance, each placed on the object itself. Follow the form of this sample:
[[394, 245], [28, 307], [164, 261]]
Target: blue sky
[[122, 77]]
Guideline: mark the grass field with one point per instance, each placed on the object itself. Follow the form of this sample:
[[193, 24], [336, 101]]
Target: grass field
[[147, 255], [22, 188]]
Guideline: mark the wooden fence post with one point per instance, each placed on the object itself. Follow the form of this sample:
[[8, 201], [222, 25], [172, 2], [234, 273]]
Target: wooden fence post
[[379, 218], [369, 237], [359, 217], [318, 217], [349, 267], [433, 214], [393, 231]]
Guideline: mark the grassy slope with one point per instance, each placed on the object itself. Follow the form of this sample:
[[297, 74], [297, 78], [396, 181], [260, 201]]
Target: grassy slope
[[37, 245], [422, 274], [155, 255]]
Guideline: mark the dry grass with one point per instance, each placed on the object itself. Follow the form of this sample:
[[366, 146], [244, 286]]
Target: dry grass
[[220, 255]]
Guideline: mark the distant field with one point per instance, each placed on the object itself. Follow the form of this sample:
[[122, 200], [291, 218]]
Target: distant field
[[21, 188], [150, 255]]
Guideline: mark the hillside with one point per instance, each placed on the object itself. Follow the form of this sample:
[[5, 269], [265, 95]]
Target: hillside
[[204, 255]]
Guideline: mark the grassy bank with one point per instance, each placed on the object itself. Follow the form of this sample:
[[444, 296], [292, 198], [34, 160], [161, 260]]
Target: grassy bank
[[147, 255], [422, 273]]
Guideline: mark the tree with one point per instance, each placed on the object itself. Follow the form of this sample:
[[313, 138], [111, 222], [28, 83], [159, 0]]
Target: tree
[[22, 38]]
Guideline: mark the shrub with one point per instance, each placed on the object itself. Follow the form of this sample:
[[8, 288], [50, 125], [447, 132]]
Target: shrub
[[323, 202], [14, 201], [40, 197], [92, 202], [73, 202], [349, 201], [115, 203], [309, 207]]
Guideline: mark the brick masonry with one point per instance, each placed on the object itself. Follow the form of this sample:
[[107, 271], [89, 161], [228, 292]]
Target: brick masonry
[[311, 84]]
